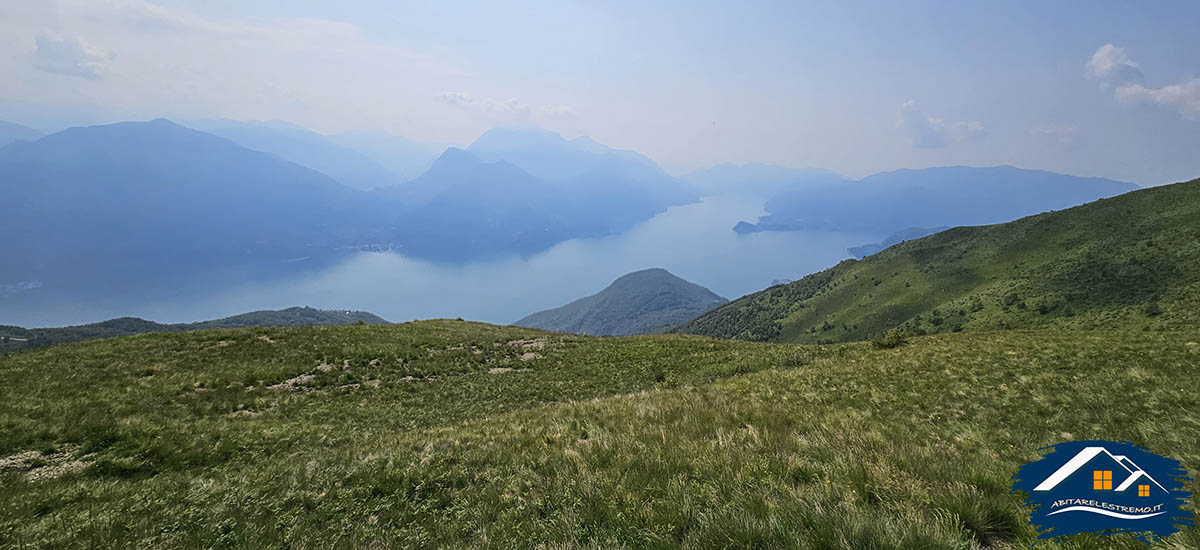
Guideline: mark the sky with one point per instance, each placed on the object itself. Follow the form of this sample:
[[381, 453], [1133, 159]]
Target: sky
[[1094, 88]]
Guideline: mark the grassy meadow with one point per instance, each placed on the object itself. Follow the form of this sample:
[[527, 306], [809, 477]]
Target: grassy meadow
[[456, 434]]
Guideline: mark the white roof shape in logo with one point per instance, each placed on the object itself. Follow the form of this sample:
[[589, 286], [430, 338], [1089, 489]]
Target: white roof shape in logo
[[1086, 455]]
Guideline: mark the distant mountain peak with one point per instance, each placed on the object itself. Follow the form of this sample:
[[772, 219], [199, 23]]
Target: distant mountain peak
[[549, 156], [641, 302], [454, 155], [457, 161], [647, 271], [654, 274], [505, 138], [513, 138]]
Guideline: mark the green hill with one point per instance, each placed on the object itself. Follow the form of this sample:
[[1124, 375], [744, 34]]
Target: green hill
[[454, 434], [14, 338], [1130, 261], [641, 302]]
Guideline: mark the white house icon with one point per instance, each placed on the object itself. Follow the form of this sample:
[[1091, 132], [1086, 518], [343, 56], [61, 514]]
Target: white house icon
[[1085, 456]]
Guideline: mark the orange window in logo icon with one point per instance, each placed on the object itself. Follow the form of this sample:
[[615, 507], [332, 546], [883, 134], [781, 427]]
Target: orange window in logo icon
[[1143, 490], [1102, 480]]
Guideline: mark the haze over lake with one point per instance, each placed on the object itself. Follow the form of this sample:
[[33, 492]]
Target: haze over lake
[[693, 241]]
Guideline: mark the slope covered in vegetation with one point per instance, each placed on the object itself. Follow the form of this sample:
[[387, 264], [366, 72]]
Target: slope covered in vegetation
[[453, 434], [1129, 261]]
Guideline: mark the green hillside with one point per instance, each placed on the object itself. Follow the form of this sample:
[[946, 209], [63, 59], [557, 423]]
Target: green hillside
[[642, 302], [454, 434], [15, 338], [1131, 261]]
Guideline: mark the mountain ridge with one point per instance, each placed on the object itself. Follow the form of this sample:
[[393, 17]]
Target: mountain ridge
[[888, 202], [11, 132], [304, 147], [120, 194], [14, 338], [133, 189]]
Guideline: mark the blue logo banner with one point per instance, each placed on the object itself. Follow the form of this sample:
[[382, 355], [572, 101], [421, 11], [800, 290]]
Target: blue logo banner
[[1104, 487]]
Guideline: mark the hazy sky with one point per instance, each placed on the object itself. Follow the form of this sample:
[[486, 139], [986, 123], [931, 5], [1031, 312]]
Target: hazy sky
[[1090, 88]]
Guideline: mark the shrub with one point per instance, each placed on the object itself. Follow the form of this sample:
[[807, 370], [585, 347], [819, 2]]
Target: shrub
[[891, 339]]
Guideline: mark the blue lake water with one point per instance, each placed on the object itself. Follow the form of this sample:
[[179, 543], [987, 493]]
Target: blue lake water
[[693, 241]]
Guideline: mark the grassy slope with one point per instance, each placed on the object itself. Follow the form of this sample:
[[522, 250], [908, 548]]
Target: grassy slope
[[649, 441], [1129, 261]]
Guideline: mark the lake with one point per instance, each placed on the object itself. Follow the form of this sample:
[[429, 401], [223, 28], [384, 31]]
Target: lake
[[694, 242]]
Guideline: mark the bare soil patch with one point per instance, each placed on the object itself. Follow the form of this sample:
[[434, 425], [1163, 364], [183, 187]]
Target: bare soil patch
[[40, 466]]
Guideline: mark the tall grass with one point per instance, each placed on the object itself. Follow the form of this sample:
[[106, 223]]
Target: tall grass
[[644, 442]]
